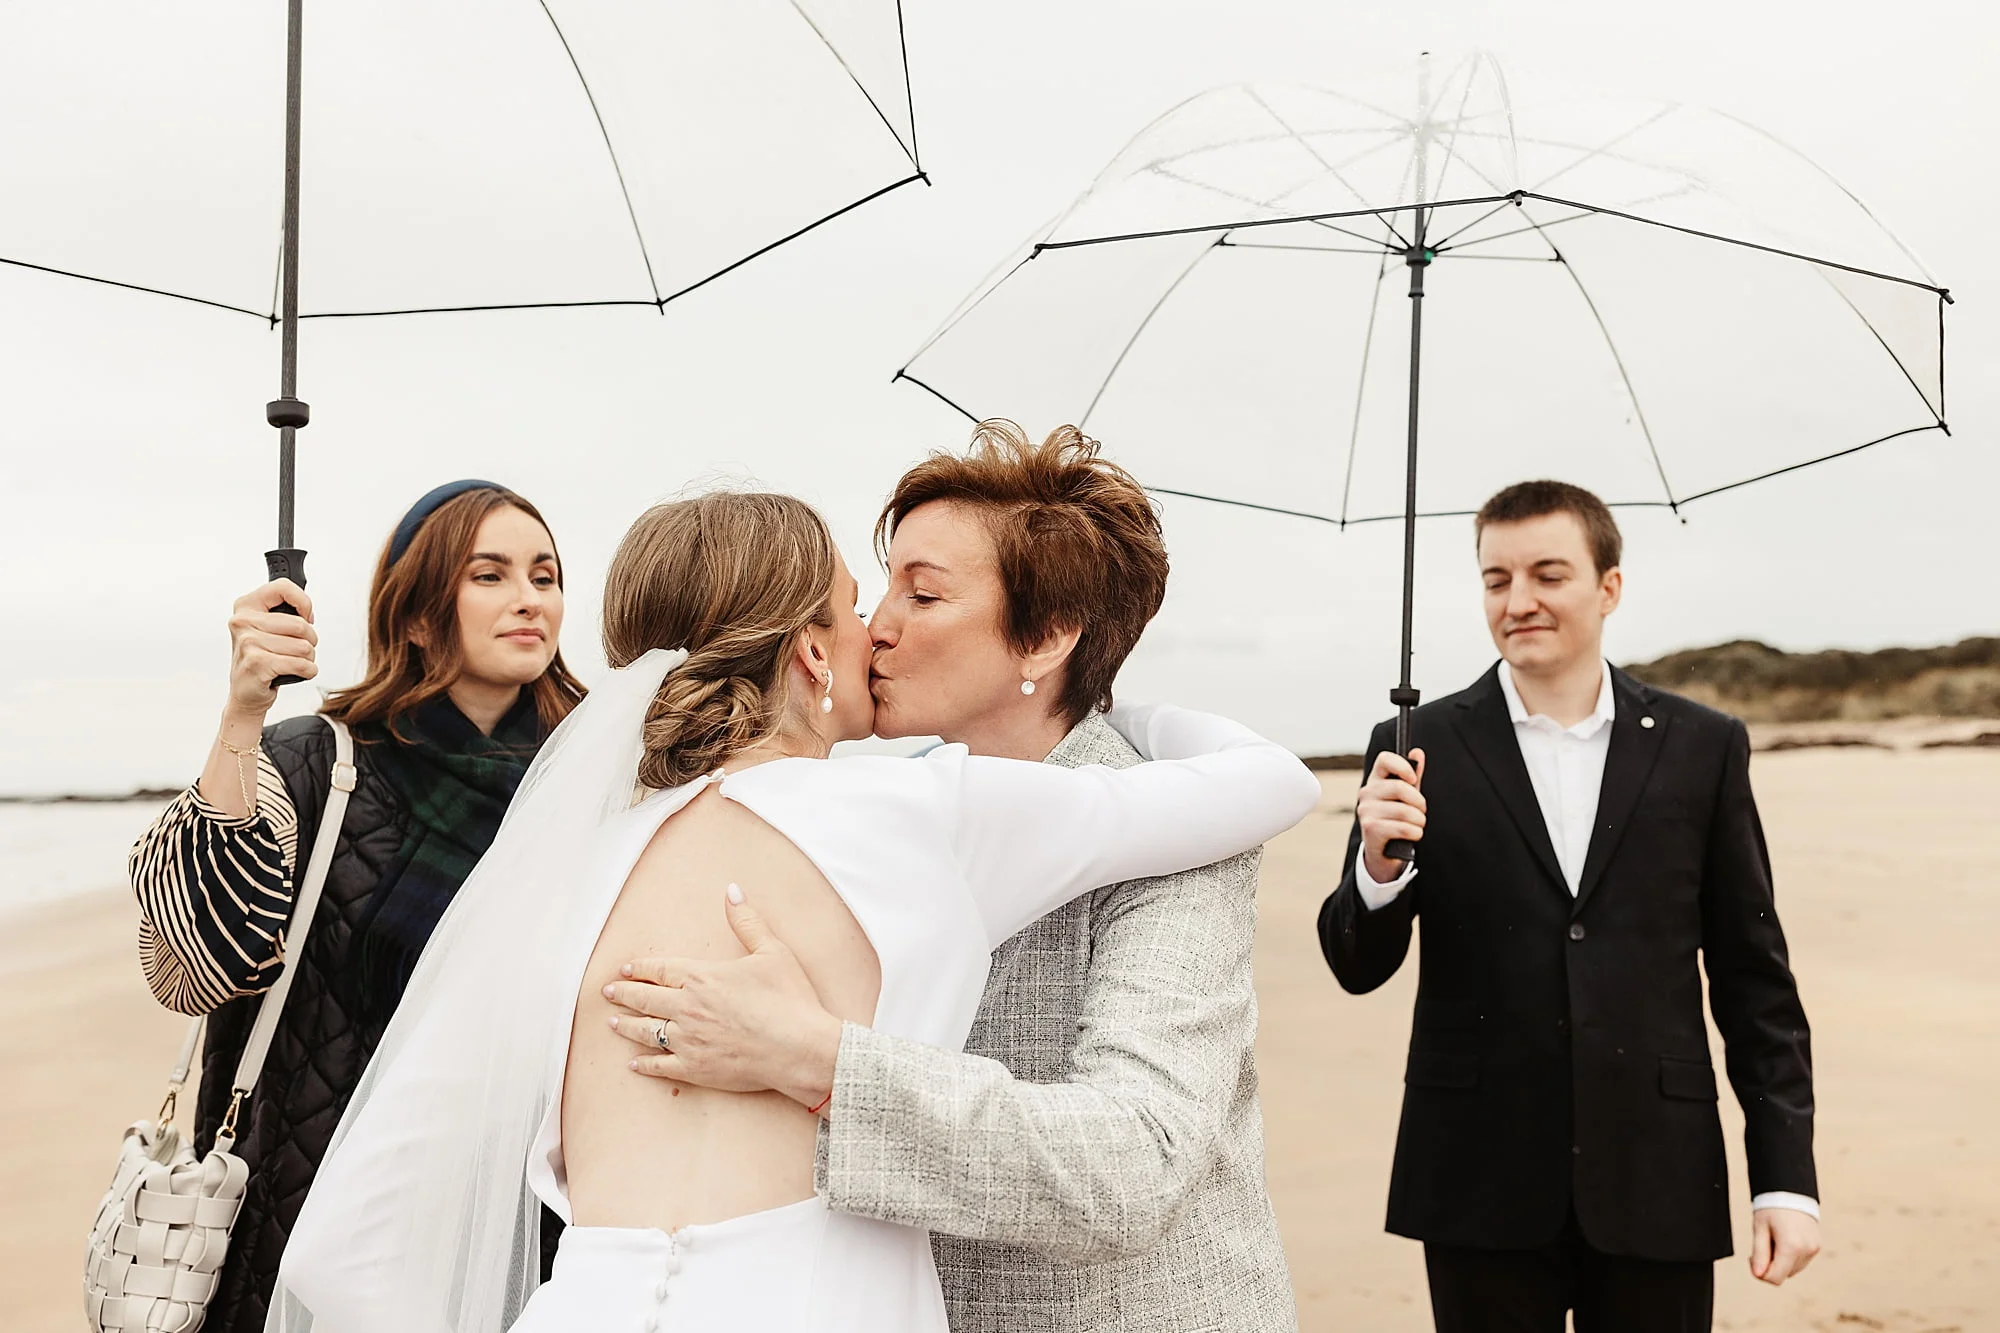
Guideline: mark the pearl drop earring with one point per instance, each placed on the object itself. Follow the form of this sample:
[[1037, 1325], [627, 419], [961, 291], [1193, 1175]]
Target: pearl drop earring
[[1027, 687], [826, 700]]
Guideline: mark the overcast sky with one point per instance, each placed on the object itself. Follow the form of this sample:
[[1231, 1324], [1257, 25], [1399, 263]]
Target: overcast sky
[[136, 475]]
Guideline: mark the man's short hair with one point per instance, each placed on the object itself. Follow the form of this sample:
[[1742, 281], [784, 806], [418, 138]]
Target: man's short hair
[[1078, 544], [1536, 499]]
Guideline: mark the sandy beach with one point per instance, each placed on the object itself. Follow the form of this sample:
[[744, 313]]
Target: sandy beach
[[1886, 859]]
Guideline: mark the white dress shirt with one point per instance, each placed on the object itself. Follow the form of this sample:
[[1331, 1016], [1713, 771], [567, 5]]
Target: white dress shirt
[[1566, 768]]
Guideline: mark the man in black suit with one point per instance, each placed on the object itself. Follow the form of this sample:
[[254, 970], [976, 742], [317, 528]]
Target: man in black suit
[[1559, 1146]]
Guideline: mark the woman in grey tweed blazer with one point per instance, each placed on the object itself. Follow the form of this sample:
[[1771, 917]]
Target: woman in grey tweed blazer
[[1094, 1158]]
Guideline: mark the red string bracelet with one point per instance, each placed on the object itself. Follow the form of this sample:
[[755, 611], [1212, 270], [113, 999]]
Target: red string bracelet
[[815, 1110]]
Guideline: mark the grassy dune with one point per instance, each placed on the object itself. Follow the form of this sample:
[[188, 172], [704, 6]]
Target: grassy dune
[[1760, 683]]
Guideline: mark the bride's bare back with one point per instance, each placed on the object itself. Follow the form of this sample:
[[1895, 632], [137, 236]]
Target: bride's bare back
[[648, 1152]]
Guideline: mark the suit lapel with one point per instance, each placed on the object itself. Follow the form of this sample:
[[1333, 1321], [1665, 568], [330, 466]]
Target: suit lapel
[[1637, 734], [1489, 736]]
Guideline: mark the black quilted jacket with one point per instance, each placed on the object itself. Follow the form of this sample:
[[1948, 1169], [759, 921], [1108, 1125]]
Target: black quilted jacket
[[322, 1042]]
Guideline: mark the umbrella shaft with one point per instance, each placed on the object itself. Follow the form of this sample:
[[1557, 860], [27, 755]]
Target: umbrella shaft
[[288, 461], [1404, 696], [289, 375], [287, 413]]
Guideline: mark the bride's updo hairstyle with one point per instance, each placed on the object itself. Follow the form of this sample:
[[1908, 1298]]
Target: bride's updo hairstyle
[[734, 578]]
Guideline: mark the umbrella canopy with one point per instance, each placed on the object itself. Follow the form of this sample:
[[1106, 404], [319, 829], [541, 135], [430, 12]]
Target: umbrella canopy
[[453, 155], [1654, 301], [465, 157]]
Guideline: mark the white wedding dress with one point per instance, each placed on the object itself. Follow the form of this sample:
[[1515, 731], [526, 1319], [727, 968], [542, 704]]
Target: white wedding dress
[[424, 1215]]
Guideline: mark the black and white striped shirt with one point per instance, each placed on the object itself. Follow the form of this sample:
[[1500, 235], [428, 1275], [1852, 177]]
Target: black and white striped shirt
[[214, 895]]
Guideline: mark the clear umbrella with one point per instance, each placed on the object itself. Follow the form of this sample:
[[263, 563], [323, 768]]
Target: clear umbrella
[[446, 156], [1658, 302]]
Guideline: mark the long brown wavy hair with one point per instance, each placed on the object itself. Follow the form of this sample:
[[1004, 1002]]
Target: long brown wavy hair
[[734, 578], [416, 598]]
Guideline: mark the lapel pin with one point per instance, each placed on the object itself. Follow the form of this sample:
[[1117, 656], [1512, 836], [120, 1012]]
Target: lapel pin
[[1646, 722]]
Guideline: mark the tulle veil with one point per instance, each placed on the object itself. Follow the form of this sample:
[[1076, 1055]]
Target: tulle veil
[[420, 1217]]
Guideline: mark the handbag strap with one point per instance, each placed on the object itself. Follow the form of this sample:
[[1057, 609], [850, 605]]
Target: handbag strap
[[307, 903], [179, 1077]]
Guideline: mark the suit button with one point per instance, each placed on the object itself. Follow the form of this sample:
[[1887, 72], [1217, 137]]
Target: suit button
[[1576, 931]]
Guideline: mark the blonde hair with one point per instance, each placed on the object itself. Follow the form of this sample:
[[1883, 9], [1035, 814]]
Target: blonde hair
[[734, 578]]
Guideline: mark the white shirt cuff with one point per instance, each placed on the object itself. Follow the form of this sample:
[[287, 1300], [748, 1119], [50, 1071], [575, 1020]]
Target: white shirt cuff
[[1803, 1203], [1376, 895]]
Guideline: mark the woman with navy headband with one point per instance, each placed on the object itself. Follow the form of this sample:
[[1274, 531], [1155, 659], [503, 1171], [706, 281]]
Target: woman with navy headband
[[464, 682]]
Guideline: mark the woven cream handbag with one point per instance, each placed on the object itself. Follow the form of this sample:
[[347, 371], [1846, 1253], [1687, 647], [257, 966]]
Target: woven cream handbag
[[162, 1231]]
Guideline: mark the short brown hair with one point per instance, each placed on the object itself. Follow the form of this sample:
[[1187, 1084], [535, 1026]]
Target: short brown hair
[[415, 596], [1537, 499], [1077, 540], [734, 578]]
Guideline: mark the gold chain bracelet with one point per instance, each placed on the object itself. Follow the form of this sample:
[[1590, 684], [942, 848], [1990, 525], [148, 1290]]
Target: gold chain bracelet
[[243, 787]]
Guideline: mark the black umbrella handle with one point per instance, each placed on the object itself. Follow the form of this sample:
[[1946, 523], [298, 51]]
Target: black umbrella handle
[[1405, 698], [286, 563]]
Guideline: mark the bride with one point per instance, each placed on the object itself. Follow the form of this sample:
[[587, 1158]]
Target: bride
[[500, 1085]]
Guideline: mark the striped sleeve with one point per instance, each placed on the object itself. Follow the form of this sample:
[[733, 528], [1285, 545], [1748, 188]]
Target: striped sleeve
[[214, 895]]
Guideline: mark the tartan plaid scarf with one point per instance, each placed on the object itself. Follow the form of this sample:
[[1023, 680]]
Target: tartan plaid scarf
[[455, 783]]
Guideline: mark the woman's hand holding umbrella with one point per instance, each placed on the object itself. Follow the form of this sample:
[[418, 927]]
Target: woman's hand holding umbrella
[[266, 642]]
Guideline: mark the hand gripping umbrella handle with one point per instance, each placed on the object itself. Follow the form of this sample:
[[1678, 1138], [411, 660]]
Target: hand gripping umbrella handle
[[286, 563], [1405, 698]]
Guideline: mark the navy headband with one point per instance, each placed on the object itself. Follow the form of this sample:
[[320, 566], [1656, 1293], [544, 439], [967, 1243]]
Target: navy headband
[[406, 531]]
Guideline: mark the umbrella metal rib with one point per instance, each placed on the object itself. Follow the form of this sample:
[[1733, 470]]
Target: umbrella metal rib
[[604, 131], [910, 149], [1361, 384], [1133, 341], [668, 299], [1738, 241], [974, 417], [1242, 224]]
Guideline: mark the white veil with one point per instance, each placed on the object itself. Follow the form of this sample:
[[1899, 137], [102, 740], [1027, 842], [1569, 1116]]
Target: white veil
[[420, 1217]]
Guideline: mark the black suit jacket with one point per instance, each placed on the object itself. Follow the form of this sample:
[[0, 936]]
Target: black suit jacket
[[1558, 1055]]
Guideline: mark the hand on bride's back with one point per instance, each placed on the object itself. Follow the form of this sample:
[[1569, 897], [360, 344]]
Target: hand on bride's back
[[750, 1024]]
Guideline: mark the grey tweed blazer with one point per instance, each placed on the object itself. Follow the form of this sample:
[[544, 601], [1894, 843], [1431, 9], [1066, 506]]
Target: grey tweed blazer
[[1094, 1159]]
